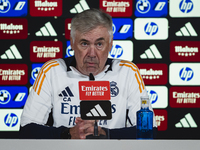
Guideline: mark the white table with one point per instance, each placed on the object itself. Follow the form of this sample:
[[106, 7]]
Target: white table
[[19, 144]]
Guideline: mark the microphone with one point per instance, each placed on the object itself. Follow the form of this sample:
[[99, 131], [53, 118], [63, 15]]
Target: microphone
[[91, 77], [95, 95]]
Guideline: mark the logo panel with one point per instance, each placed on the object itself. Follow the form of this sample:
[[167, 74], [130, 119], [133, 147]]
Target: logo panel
[[184, 8], [92, 110], [45, 7], [42, 51], [154, 74], [158, 96], [187, 30], [94, 90], [147, 8], [161, 119], [13, 8], [184, 97], [186, 122], [10, 119], [151, 53], [184, 74], [69, 50], [151, 28], [80, 7], [122, 50], [13, 96], [13, 74], [67, 28], [117, 8], [46, 30], [187, 51], [13, 28], [122, 28], [35, 71], [11, 53]]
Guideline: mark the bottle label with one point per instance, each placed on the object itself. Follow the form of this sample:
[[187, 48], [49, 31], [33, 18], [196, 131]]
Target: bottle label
[[144, 103]]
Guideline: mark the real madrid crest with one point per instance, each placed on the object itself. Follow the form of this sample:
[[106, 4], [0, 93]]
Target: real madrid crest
[[114, 90]]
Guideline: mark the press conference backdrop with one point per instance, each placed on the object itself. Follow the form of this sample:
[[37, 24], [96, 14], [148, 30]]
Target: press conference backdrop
[[161, 36]]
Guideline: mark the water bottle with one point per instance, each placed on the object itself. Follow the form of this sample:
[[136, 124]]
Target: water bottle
[[144, 120]]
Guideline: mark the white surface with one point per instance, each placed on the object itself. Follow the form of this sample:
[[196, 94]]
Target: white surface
[[99, 144]]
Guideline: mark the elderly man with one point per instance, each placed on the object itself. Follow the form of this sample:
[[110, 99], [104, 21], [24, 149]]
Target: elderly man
[[56, 86]]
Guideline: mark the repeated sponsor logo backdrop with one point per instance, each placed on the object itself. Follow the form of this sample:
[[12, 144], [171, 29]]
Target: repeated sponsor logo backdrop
[[160, 36]]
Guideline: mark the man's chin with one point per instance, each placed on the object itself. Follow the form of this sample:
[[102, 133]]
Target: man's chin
[[92, 70]]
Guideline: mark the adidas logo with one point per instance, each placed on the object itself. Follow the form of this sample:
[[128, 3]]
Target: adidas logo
[[46, 30], [66, 93], [81, 6], [151, 53], [186, 122], [96, 112], [187, 30], [11, 53]]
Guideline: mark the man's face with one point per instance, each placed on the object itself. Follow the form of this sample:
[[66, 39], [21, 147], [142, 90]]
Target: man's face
[[91, 50]]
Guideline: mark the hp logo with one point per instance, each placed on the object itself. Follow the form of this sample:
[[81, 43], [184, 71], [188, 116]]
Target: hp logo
[[4, 6], [11, 120], [4, 97], [143, 6], [35, 72], [153, 96], [151, 28], [186, 6], [186, 74], [116, 51]]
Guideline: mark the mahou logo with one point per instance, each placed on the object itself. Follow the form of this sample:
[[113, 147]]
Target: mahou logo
[[13, 74], [45, 7], [42, 51], [161, 119], [117, 8], [185, 97], [186, 51], [13, 28], [154, 74]]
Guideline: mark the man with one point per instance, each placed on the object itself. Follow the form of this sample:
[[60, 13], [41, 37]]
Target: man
[[56, 86]]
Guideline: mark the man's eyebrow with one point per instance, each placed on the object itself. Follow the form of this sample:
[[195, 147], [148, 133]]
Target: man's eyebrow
[[83, 40], [99, 39]]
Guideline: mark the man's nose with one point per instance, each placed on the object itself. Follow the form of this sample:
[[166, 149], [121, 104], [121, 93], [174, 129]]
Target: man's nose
[[92, 51]]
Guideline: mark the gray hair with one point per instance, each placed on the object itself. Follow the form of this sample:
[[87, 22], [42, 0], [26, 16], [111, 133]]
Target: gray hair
[[90, 19]]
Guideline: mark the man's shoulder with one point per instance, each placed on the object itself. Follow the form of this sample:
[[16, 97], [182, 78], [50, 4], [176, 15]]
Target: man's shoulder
[[124, 64], [54, 64]]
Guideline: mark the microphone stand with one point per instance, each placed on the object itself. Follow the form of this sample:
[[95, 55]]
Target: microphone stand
[[95, 136]]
